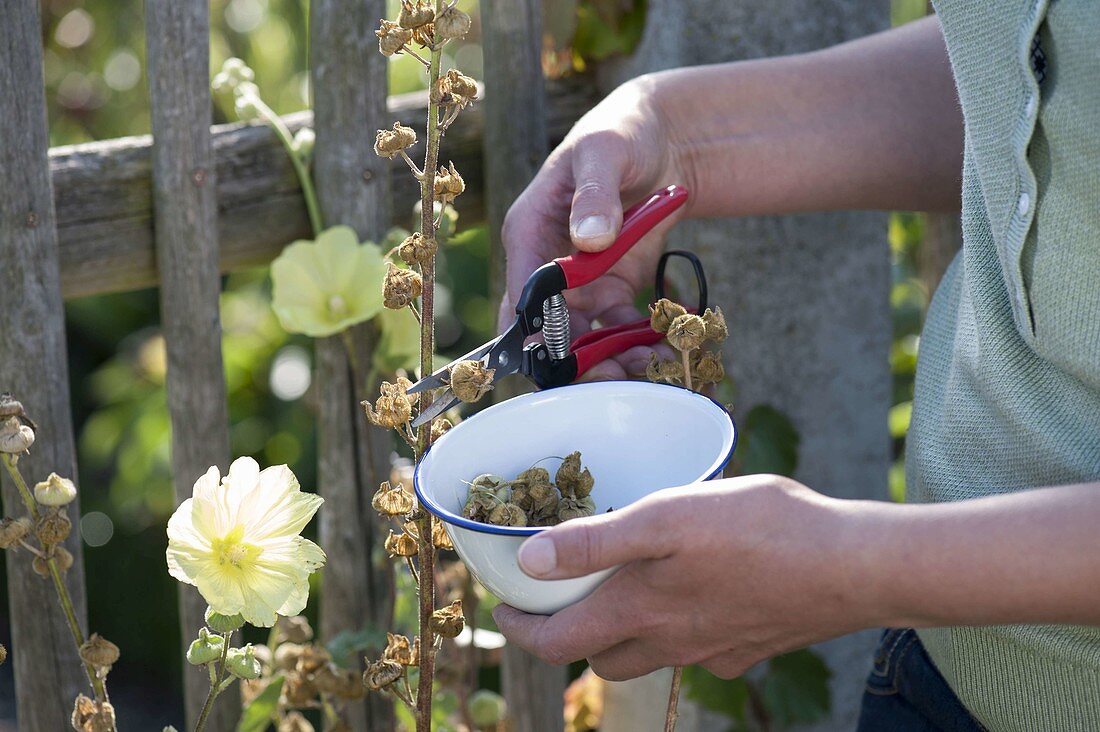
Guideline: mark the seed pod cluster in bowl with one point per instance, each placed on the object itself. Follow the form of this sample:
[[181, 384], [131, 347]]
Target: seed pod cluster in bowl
[[532, 498]]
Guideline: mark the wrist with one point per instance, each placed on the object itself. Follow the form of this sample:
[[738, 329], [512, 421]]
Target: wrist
[[873, 543]]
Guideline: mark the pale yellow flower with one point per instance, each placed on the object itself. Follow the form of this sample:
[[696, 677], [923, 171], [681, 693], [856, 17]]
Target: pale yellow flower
[[237, 539], [325, 286]]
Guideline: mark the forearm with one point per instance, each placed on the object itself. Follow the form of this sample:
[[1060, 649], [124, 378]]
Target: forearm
[[873, 123], [1027, 557]]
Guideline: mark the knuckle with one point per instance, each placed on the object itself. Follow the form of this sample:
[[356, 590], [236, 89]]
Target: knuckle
[[555, 655], [585, 545]]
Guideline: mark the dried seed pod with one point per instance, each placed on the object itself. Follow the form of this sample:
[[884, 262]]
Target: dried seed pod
[[99, 652], [546, 515], [64, 559], [418, 249], [440, 538], [40, 566], [299, 691], [479, 505], [449, 184], [470, 380], [401, 545], [401, 287], [294, 722], [3, 654], [391, 501], [92, 716], [452, 23], [325, 678], [392, 37], [15, 437], [389, 143], [399, 649], [687, 332], [663, 312], [415, 14], [439, 428], [508, 514], [708, 368], [53, 527], [715, 322], [349, 685], [571, 508], [10, 406], [666, 371], [312, 658], [287, 655], [393, 407], [571, 479], [55, 491], [448, 621], [294, 630], [382, 673], [489, 482], [454, 87], [12, 531]]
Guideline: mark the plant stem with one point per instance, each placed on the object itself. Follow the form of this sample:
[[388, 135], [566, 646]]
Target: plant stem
[[426, 555], [686, 357], [97, 683], [673, 699], [215, 684], [276, 123]]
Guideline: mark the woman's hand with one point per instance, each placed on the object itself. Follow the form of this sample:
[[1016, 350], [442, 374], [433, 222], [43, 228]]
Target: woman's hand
[[618, 152], [723, 574]]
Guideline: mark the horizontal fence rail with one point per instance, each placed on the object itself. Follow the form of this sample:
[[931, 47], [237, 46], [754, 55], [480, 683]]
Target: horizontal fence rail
[[103, 192]]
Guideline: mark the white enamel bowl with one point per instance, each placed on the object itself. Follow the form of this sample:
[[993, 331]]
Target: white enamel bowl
[[635, 437]]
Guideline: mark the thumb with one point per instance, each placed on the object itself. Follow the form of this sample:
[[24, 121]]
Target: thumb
[[585, 545], [597, 211]]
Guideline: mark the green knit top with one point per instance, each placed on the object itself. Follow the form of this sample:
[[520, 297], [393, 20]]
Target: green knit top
[[1008, 378]]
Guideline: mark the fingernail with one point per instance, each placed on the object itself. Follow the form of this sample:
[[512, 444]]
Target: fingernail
[[537, 556], [591, 227]]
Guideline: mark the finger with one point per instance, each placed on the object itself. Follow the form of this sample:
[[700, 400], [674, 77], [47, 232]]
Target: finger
[[586, 628], [609, 370], [597, 212], [628, 660], [727, 665], [585, 545]]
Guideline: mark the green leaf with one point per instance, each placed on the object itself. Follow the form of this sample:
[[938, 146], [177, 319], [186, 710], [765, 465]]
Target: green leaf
[[898, 419], [796, 688], [261, 712], [346, 645], [727, 697], [768, 442]]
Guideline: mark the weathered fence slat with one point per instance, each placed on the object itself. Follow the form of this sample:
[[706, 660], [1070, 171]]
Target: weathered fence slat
[[515, 125], [187, 260], [48, 673], [349, 92], [104, 198]]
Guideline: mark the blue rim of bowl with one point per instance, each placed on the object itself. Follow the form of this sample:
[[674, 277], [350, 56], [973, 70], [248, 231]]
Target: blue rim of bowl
[[465, 523]]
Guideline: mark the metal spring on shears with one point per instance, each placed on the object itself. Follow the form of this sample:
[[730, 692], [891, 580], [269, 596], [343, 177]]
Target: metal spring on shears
[[555, 326]]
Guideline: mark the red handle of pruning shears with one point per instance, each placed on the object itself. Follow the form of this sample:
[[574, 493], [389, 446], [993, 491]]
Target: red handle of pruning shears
[[584, 267], [600, 345]]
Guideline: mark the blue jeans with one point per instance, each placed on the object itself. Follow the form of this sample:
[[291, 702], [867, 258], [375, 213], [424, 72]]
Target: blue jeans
[[905, 692]]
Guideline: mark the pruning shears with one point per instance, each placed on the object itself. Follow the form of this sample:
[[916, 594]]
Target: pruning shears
[[558, 360]]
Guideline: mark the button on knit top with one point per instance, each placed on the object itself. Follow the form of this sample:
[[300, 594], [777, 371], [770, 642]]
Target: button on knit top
[[1008, 378]]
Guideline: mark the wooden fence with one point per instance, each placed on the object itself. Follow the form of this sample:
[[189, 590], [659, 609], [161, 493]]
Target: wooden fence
[[190, 202]]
